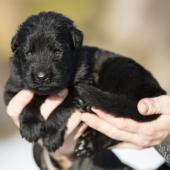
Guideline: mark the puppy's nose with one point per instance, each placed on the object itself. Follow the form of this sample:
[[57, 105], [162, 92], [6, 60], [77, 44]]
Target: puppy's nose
[[42, 76]]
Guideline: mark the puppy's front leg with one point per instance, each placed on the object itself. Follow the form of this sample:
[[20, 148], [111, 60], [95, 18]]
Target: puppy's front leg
[[117, 104], [56, 124], [31, 121]]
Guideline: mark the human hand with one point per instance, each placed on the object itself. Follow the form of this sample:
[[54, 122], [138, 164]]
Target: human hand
[[20, 100], [134, 134]]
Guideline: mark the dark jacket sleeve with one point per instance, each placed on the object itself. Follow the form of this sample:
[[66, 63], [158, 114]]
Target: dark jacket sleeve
[[164, 149], [104, 160]]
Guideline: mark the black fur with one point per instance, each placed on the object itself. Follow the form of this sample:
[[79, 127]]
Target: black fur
[[48, 56]]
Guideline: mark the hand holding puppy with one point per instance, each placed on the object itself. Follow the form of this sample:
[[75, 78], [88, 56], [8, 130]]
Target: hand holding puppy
[[24, 97], [134, 134]]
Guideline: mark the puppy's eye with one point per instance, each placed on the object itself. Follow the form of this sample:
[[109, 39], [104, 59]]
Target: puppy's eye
[[58, 55], [28, 55]]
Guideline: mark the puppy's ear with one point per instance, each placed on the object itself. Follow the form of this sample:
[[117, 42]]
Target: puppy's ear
[[77, 38], [14, 43]]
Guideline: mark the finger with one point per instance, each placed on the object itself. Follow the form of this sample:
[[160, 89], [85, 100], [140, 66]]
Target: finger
[[126, 124], [80, 131], [52, 102], [155, 126], [129, 125], [127, 145], [153, 141], [144, 143], [73, 122], [17, 104], [162, 123], [156, 105], [109, 130], [160, 137]]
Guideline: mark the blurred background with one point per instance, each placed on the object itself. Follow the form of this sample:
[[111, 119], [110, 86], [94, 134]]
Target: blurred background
[[134, 28]]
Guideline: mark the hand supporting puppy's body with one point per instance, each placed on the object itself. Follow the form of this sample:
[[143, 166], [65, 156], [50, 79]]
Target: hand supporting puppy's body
[[46, 61]]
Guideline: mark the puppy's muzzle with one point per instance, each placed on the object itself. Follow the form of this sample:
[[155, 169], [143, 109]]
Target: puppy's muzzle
[[41, 77]]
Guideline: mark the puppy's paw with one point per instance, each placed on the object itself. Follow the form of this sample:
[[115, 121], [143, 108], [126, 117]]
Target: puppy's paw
[[84, 148], [87, 93], [82, 105], [32, 130], [54, 137], [53, 140]]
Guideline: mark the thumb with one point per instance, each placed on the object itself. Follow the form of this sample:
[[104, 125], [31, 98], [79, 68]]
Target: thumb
[[155, 105], [52, 102]]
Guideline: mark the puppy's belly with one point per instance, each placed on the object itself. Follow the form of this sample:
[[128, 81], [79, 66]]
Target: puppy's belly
[[68, 147], [64, 155]]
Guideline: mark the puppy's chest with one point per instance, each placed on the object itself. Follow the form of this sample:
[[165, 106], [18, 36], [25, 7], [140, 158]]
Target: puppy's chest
[[38, 100]]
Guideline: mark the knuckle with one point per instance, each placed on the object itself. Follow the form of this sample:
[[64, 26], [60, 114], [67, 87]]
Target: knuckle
[[106, 116], [114, 134], [150, 131], [122, 124], [94, 122], [157, 142], [20, 101], [145, 142], [154, 106]]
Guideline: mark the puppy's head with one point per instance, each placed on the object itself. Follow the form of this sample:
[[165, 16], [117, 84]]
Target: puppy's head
[[44, 52]]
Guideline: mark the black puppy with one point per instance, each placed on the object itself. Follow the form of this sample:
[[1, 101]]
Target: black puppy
[[48, 56]]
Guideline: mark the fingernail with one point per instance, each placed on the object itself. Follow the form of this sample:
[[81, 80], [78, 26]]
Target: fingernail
[[63, 93], [143, 107]]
